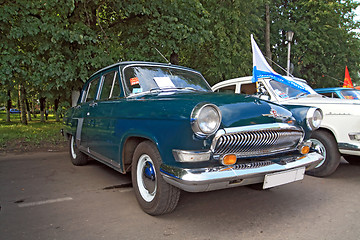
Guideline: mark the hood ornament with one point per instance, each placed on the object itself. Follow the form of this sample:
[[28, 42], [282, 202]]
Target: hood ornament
[[274, 114]]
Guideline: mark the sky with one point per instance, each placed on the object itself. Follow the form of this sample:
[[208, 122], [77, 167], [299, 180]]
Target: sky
[[357, 11]]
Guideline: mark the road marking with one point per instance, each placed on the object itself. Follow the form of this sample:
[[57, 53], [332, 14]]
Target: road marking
[[30, 204]]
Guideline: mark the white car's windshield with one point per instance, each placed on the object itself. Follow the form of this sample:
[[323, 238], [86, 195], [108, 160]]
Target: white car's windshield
[[284, 91]]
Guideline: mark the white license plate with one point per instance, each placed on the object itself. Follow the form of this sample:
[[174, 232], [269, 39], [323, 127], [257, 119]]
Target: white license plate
[[280, 178]]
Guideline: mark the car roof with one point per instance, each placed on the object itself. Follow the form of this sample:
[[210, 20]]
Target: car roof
[[123, 64], [246, 78], [333, 89]]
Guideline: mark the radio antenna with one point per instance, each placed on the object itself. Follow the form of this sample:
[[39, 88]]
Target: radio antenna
[[163, 56], [278, 65]]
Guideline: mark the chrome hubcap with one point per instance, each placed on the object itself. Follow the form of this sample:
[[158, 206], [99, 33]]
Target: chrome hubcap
[[320, 148], [73, 154], [146, 178]]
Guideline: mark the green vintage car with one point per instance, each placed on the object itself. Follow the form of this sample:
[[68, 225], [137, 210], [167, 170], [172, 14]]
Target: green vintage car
[[165, 125]]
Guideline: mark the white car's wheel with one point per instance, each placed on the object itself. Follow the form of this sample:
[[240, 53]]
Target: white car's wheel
[[325, 144], [154, 195]]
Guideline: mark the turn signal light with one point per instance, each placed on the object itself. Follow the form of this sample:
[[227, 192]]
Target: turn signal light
[[229, 159], [305, 149]]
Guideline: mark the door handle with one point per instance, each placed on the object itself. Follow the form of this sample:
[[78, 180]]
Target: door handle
[[93, 104]]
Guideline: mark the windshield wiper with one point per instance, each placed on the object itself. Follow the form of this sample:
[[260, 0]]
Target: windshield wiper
[[157, 89], [301, 94]]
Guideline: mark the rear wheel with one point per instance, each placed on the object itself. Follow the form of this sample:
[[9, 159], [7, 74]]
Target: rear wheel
[[154, 195], [77, 158], [326, 145]]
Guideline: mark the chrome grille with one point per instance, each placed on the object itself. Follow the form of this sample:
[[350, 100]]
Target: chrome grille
[[257, 142]]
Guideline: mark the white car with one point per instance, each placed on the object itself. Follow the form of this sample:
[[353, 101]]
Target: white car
[[339, 133]]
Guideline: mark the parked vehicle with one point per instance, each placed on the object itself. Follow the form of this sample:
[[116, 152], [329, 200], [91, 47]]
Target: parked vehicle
[[339, 131], [14, 110], [164, 124], [339, 92]]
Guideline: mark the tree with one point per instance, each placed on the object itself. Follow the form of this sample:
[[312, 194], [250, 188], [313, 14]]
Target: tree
[[323, 42]]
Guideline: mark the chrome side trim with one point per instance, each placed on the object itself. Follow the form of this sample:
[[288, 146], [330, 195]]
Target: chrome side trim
[[78, 130], [349, 146], [101, 158], [212, 178]]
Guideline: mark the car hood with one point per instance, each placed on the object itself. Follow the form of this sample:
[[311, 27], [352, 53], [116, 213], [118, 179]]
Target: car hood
[[319, 99], [236, 110]]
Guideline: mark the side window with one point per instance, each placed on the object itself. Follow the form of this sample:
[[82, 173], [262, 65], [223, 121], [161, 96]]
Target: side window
[[92, 90], [248, 88], [227, 89], [115, 89], [327, 94], [111, 87], [335, 95]]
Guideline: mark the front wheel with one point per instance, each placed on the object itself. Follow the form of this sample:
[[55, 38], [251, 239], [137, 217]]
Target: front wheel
[[154, 195], [77, 158], [325, 144]]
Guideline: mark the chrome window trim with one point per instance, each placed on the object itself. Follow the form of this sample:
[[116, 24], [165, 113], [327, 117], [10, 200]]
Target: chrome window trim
[[113, 84], [100, 87]]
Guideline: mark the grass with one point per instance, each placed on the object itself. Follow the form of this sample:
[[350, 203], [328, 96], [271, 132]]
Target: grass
[[15, 136]]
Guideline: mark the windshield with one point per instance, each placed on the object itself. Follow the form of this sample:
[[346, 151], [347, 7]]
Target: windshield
[[285, 92], [350, 94], [140, 79]]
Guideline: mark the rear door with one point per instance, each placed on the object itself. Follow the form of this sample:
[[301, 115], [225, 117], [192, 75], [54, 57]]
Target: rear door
[[89, 100]]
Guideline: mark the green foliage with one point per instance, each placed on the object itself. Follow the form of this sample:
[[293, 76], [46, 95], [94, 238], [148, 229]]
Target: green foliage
[[323, 42], [52, 47], [15, 136], [228, 53]]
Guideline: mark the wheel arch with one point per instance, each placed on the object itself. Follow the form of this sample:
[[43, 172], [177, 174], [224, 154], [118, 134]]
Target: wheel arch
[[128, 149], [322, 129]]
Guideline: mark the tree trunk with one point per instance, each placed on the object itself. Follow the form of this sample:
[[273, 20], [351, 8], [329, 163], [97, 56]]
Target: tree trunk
[[28, 109], [22, 104], [8, 106], [56, 106], [267, 34], [42, 109], [33, 108], [174, 58]]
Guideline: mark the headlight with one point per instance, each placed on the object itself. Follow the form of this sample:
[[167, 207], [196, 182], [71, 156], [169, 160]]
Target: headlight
[[314, 117], [205, 119]]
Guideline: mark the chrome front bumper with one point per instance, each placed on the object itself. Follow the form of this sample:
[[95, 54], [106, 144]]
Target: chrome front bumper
[[208, 179]]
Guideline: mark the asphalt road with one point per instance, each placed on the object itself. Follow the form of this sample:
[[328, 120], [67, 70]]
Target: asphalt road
[[43, 196]]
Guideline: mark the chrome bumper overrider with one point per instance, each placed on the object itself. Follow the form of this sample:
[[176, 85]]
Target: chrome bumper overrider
[[208, 179]]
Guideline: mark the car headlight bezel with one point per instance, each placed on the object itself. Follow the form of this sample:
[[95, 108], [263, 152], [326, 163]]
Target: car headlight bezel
[[205, 119], [314, 118]]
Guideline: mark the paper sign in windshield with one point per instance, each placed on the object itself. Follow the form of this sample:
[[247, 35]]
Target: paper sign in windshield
[[134, 81], [164, 82]]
